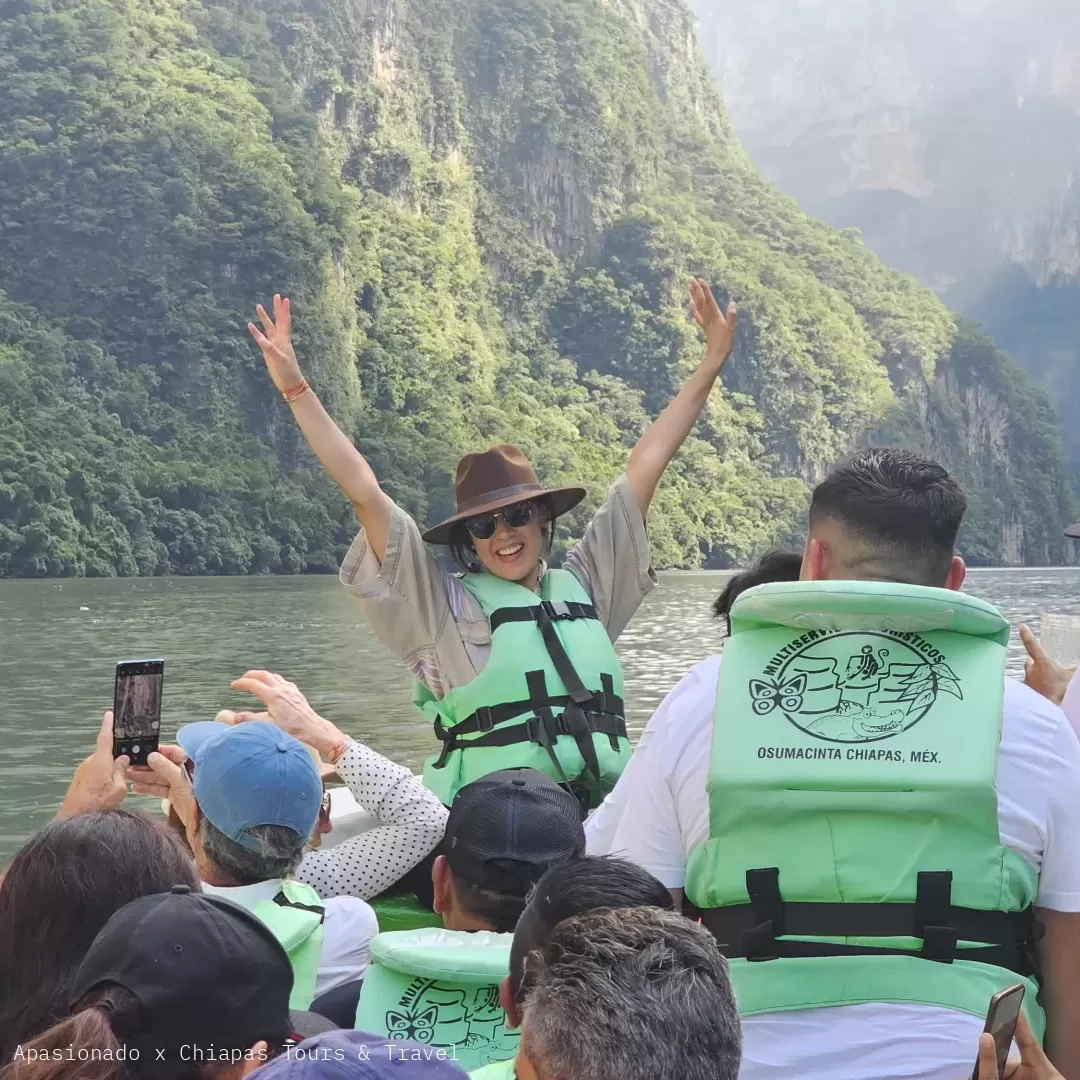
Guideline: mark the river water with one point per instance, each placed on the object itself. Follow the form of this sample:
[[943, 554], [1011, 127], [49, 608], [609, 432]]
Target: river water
[[60, 640]]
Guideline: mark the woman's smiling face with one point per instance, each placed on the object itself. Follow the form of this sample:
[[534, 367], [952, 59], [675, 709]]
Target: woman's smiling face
[[513, 552]]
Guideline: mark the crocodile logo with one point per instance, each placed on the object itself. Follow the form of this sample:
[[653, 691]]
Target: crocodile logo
[[854, 686]]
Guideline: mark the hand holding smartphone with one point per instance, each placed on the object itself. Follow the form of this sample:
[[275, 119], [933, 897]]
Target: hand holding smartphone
[[1001, 1019], [137, 709]]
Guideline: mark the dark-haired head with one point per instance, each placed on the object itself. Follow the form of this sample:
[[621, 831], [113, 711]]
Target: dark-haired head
[[570, 889], [58, 892], [886, 515], [773, 566]]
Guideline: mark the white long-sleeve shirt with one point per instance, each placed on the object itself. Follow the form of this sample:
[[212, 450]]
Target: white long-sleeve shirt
[[1070, 706], [409, 823]]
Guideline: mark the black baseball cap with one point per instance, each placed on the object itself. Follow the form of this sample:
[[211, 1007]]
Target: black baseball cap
[[1073, 531], [506, 829], [206, 972]]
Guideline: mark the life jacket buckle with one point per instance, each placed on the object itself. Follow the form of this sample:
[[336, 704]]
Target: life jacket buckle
[[759, 943], [933, 904], [485, 718], [446, 737], [763, 888], [939, 944], [556, 609]]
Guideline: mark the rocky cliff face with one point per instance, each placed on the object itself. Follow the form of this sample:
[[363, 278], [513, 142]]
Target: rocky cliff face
[[949, 134], [486, 212]]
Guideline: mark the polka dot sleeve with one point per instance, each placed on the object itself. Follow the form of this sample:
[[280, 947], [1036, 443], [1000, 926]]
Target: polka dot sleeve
[[411, 821]]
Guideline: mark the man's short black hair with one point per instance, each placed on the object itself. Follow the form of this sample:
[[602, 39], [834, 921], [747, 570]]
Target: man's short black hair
[[499, 910], [904, 507], [574, 888], [773, 566]]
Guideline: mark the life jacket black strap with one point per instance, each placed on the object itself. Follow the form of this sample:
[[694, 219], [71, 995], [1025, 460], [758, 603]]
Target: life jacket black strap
[[490, 716], [283, 901], [996, 955], [754, 930], [581, 708], [542, 729], [553, 609]]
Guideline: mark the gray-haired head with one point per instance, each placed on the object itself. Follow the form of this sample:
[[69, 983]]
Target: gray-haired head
[[279, 854], [631, 994]]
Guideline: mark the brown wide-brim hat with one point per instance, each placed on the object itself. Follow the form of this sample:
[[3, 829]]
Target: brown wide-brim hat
[[1073, 531], [496, 478]]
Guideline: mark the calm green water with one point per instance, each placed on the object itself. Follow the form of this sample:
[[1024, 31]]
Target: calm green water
[[59, 642]]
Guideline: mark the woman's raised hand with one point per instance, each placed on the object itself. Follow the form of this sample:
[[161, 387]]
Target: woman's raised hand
[[719, 326], [275, 340], [287, 707]]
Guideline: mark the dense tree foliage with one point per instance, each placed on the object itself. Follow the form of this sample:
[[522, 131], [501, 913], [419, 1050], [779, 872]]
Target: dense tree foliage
[[485, 212]]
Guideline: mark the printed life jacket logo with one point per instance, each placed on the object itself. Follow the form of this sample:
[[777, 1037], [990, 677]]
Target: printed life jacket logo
[[470, 1018], [854, 686]]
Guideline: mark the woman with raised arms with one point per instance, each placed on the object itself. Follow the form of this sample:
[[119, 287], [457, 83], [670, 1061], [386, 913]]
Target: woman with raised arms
[[513, 661]]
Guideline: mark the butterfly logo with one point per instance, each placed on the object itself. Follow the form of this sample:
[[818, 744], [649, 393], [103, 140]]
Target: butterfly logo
[[769, 695], [419, 1027]]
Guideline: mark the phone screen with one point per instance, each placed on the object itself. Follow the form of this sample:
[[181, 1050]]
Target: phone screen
[[137, 708], [1001, 1020]]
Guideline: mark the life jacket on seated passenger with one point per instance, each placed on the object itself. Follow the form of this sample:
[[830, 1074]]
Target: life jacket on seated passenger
[[403, 911], [853, 851], [440, 988], [550, 696], [295, 918]]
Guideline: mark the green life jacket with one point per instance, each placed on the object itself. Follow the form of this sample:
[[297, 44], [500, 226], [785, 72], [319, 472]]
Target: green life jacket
[[501, 1070], [403, 912], [550, 695], [853, 851], [440, 988], [295, 918]]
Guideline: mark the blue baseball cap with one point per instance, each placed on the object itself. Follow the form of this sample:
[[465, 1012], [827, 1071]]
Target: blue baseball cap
[[191, 737], [252, 774], [356, 1055]]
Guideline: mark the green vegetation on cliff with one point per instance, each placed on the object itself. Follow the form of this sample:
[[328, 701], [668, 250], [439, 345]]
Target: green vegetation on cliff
[[485, 212]]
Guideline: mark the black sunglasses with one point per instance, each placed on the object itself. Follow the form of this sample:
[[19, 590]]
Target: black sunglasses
[[483, 526]]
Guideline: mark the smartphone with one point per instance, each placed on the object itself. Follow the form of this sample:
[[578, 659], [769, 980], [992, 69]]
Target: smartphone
[[1001, 1020], [137, 708]]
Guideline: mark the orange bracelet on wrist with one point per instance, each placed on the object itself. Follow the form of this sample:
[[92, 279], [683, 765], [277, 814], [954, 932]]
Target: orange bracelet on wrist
[[296, 392], [338, 751]]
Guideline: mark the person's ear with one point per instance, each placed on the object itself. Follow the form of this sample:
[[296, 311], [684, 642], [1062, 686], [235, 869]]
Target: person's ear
[[815, 565], [509, 1005], [192, 828], [957, 574], [443, 883], [255, 1057]]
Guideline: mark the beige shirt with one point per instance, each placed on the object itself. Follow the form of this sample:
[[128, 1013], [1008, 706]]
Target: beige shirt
[[423, 614]]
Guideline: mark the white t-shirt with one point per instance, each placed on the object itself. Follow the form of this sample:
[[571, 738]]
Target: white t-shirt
[[348, 927], [665, 815]]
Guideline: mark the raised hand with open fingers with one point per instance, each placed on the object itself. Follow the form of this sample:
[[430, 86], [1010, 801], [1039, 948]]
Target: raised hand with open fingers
[[275, 341], [1042, 672], [287, 707], [719, 326]]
